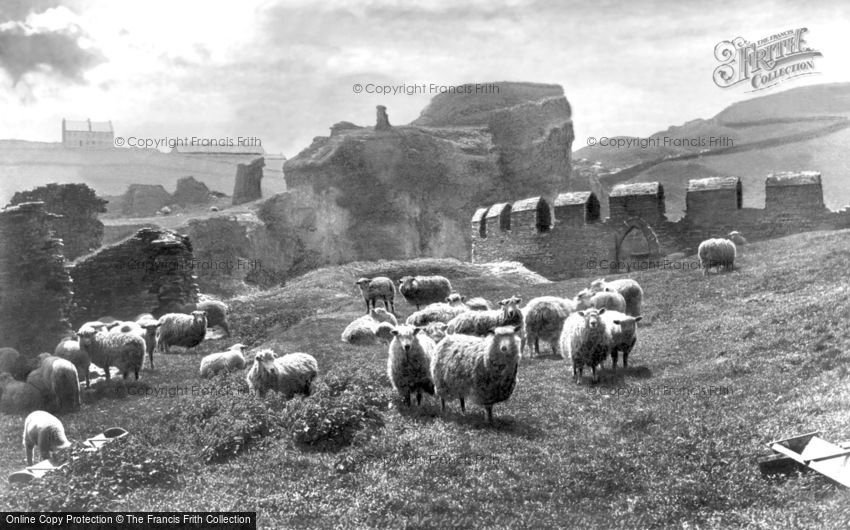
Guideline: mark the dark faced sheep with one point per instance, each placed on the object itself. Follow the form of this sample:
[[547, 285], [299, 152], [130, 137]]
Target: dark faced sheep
[[620, 335], [424, 290], [177, 329], [373, 289]]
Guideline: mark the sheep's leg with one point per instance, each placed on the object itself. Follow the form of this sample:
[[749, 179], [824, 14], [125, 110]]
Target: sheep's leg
[[593, 371], [29, 449], [489, 409], [106, 370], [537, 346], [150, 359], [614, 354], [554, 346], [136, 373], [418, 397], [367, 305], [462, 405], [443, 404], [87, 377], [386, 304], [407, 398], [392, 306]]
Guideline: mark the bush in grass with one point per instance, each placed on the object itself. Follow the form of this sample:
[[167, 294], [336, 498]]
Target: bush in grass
[[91, 480], [341, 406]]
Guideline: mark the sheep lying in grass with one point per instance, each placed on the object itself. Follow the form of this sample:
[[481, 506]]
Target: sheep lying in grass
[[544, 318], [481, 322], [290, 374], [216, 363], [58, 381], [424, 290], [126, 351], [18, 396], [438, 312], [586, 299], [12, 362], [409, 363], [69, 349], [362, 330], [177, 329], [150, 325], [44, 430], [374, 288], [629, 289], [583, 341], [718, 253], [484, 369], [479, 304], [620, 335]]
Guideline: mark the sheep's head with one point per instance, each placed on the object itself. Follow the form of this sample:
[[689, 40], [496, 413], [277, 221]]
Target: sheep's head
[[583, 297], [87, 334], [406, 281], [199, 316], [264, 359], [505, 338], [455, 299], [405, 336], [436, 330], [510, 307], [591, 317], [628, 323], [380, 314], [362, 283], [597, 285], [241, 347]]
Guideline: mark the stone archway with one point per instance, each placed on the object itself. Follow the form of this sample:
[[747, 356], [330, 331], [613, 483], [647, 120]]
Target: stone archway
[[636, 240]]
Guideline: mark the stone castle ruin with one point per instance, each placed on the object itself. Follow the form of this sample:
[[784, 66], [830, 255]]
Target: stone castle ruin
[[565, 237]]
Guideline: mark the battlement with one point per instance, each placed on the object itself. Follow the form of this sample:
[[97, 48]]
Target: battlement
[[561, 240]]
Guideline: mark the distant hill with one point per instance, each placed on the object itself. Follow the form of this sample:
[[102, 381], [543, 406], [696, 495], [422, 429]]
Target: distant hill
[[802, 128], [25, 165]]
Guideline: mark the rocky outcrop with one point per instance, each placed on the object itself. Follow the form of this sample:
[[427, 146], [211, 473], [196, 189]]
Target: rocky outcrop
[[248, 182], [77, 207], [191, 191], [144, 200], [35, 289], [151, 272]]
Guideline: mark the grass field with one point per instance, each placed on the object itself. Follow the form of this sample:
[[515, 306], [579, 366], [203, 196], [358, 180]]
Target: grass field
[[723, 365]]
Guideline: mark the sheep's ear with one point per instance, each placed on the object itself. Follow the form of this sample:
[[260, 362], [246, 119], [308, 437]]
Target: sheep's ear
[[394, 331], [448, 299], [581, 313], [617, 322], [502, 302], [601, 310], [638, 319], [518, 299], [517, 329], [462, 298], [416, 330]]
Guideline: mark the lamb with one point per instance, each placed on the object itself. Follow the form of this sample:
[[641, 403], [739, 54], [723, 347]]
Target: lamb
[[409, 362], [150, 325], [18, 396], [374, 288], [716, 252], [424, 290], [607, 299], [479, 304], [58, 381], [290, 374], [177, 329], [736, 237], [582, 341], [481, 322], [69, 349], [12, 362], [215, 363], [620, 335], [438, 312], [126, 351], [484, 369], [630, 290], [544, 318], [361, 331], [44, 430]]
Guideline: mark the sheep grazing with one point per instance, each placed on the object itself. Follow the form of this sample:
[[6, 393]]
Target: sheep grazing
[[58, 381], [484, 369], [718, 253], [69, 349], [178, 329], [18, 396], [620, 335], [424, 290], [736, 237], [629, 289], [12, 362], [150, 325], [409, 362], [436, 330], [583, 341], [290, 374], [479, 304], [362, 330], [586, 299], [374, 288], [126, 351], [438, 312], [544, 318], [216, 363], [481, 322], [44, 430]]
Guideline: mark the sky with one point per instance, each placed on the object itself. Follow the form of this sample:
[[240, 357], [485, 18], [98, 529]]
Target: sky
[[284, 71]]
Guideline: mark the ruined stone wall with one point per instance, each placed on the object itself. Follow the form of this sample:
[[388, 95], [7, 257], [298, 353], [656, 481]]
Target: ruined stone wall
[[248, 182], [35, 288]]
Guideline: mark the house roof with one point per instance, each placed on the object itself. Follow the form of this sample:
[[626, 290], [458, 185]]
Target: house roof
[[713, 183], [527, 204], [496, 209], [572, 198], [793, 178], [219, 150], [88, 125], [640, 188], [479, 215]]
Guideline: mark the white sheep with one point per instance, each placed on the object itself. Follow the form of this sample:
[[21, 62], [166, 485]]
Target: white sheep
[[70, 350], [481, 322], [290, 374], [544, 319], [620, 335], [18, 396], [717, 252], [606, 299], [58, 381], [215, 363], [484, 369], [409, 362], [374, 288], [44, 430], [150, 325], [582, 341], [178, 329], [629, 289], [361, 330], [479, 304], [126, 351], [423, 290], [438, 312]]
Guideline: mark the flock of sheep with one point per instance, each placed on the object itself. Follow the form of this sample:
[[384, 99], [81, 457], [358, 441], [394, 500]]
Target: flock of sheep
[[450, 347]]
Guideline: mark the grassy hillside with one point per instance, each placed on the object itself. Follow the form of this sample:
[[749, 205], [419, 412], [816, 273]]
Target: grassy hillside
[[723, 365]]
